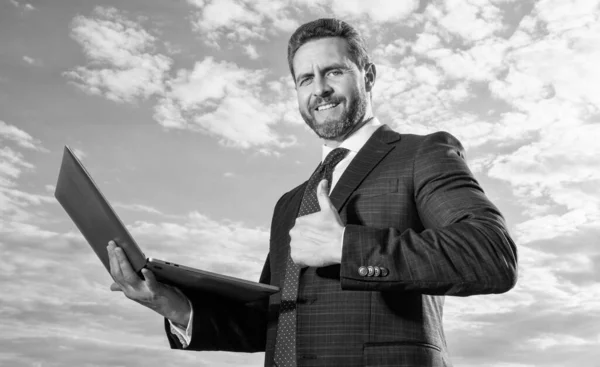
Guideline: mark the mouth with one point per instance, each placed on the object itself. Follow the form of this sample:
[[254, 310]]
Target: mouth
[[327, 106]]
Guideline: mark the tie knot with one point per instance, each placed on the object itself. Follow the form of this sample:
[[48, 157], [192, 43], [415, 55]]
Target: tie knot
[[334, 157]]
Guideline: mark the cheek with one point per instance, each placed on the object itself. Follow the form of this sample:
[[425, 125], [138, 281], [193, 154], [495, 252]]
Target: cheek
[[303, 101], [351, 88]]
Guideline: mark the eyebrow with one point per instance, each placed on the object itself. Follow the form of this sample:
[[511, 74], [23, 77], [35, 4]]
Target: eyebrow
[[326, 69]]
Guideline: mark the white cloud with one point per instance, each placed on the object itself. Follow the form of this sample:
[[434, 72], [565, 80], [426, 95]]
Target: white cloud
[[137, 208], [12, 163], [554, 82], [30, 60], [550, 226], [225, 21], [123, 64], [552, 340], [216, 98], [376, 10], [468, 20], [223, 100], [27, 6], [391, 53], [250, 50], [240, 20], [79, 153], [226, 247], [415, 98], [545, 74], [14, 204], [556, 169], [565, 17], [482, 62], [17, 205], [23, 139], [25, 199]]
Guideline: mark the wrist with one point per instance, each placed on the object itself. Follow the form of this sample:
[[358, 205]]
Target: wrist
[[175, 306]]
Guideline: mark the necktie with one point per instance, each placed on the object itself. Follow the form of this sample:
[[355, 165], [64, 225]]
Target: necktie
[[285, 342]]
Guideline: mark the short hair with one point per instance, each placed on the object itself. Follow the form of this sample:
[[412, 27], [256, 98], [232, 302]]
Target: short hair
[[325, 28]]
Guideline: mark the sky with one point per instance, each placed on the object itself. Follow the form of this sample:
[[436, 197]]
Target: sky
[[185, 114]]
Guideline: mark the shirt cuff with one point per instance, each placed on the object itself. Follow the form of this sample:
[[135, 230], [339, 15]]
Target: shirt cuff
[[184, 336], [342, 244]]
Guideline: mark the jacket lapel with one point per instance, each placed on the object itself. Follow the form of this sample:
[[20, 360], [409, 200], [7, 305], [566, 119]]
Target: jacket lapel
[[288, 213], [377, 147]]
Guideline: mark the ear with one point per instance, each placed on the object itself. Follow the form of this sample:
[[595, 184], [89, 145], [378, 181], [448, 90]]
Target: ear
[[370, 75]]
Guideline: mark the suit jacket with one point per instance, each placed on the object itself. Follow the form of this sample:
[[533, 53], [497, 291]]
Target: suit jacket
[[410, 205]]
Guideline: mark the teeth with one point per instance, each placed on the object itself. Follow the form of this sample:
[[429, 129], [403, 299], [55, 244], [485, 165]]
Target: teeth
[[326, 106]]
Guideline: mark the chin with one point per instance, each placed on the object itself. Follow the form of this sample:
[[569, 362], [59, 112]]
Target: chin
[[333, 130], [329, 129]]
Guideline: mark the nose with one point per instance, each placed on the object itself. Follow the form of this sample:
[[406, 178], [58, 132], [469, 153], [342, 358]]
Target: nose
[[321, 87]]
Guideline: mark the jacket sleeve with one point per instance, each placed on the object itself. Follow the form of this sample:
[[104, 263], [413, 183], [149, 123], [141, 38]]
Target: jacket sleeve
[[464, 249], [226, 325]]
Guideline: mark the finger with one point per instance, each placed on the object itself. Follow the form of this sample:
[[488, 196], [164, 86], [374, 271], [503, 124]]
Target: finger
[[129, 275], [323, 196], [115, 287], [150, 279], [115, 269], [296, 256], [294, 230]]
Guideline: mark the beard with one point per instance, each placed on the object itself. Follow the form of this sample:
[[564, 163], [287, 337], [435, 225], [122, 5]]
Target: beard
[[335, 128]]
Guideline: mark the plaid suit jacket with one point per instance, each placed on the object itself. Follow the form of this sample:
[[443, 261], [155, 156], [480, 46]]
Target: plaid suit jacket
[[411, 205]]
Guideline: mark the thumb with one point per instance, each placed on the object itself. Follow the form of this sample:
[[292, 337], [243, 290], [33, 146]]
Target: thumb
[[323, 196], [115, 287], [149, 277]]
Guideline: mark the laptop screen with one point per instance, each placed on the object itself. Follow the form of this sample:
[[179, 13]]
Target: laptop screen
[[91, 212]]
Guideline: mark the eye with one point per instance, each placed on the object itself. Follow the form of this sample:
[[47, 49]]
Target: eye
[[336, 72], [305, 81]]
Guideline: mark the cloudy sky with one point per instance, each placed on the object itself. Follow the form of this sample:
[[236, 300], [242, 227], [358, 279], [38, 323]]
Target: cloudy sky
[[185, 114]]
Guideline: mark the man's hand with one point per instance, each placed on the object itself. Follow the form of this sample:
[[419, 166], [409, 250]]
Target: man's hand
[[168, 301], [316, 239]]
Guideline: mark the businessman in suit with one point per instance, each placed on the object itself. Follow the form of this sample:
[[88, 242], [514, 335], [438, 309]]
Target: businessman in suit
[[365, 250]]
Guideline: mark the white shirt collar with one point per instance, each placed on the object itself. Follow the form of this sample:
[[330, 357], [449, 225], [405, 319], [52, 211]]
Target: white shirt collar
[[357, 140]]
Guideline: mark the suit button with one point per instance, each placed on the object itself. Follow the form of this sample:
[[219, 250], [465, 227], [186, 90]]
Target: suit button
[[363, 271], [384, 271], [377, 271], [371, 271]]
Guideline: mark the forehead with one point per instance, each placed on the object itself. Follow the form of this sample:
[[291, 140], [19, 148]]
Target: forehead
[[321, 52]]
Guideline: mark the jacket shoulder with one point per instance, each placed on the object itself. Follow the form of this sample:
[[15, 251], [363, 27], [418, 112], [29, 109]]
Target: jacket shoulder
[[436, 137], [421, 143]]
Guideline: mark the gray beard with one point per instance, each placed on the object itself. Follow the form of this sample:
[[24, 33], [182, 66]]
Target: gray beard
[[334, 129]]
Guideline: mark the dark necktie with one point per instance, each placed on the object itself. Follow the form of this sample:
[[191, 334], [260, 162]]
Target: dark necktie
[[285, 342]]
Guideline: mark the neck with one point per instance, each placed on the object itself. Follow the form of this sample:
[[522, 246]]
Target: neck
[[334, 143]]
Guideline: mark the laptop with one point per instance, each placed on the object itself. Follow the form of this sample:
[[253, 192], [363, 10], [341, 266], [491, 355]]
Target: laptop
[[97, 221]]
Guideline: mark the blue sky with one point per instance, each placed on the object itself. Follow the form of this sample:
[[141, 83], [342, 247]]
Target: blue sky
[[185, 114]]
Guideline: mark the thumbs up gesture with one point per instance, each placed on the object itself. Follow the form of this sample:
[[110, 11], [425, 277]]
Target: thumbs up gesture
[[316, 239]]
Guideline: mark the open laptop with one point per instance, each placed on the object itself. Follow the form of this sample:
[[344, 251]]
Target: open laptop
[[98, 222]]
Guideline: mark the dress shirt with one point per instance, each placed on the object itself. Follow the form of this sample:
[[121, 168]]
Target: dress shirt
[[353, 143]]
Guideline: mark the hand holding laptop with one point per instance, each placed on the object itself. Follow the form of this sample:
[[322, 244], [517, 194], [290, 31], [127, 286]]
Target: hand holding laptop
[[167, 300], [99, 224]]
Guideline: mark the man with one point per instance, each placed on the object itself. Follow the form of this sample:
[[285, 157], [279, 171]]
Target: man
[[362, 267]]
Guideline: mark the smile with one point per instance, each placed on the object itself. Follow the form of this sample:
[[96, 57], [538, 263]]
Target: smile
[[326, 106]]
